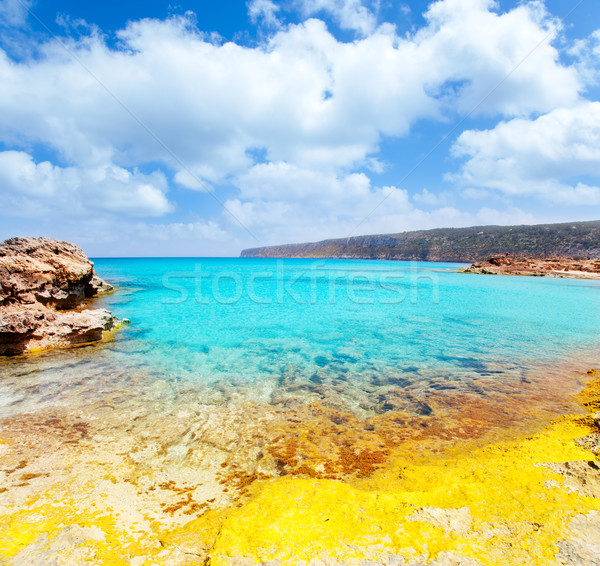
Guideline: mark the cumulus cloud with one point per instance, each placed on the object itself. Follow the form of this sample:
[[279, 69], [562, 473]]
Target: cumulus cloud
[[305, 97], [432, 199], [507, 216], [14, 12], [350, 194], [278, 198], [264, 10], [482, 50], [349, 14], [541, 157], [41, 189], [278, 201], [198, 230], [292, 126], [587, 54]]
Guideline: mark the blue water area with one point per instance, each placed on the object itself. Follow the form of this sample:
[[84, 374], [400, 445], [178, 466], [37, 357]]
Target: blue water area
[[250, 321]]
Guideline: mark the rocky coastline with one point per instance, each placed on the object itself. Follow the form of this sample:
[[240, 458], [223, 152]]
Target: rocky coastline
[[555, 267], [44, 287], [462, 245]]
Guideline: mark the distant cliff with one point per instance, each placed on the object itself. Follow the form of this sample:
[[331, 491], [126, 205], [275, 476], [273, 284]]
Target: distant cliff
[[578, 240]]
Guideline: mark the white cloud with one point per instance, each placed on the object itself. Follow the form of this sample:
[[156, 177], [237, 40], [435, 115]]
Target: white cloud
[[180, 231], [587, 54], [304, 97], [314, 108], [190, 180], [41, 189], [349, 14], [14, 12], [477, 194], [279, 198], [509, 216], [265, 10], [495, 63], [279, 201], [541, 157], [283, 180], [428, 198], [404, 9]]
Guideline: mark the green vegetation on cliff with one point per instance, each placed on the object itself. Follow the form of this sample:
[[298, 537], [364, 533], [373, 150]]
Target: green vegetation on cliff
[[580, 240]]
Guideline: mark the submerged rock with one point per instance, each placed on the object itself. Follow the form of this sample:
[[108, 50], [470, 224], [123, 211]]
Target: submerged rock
[[41, 281]]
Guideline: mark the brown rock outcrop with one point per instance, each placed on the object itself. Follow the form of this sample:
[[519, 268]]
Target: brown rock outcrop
[[557, 267], [43, 286]]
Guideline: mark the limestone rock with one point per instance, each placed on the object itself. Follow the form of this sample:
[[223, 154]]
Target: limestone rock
[[558, 267], [451, 520], [580, 476], [583, 546], [26, 329], [464, 245], [453, 559], [41, 281], [53, 273]]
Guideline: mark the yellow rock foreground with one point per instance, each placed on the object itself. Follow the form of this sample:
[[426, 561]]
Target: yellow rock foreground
[[495, 506], [533, 501]]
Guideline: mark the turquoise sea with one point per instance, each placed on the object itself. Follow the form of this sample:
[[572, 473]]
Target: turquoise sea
[[344, 331], [236, 372]]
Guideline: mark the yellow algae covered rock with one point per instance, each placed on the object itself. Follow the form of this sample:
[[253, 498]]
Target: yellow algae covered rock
[[532, 500], [590, 396], [496, 505], [62, 533]]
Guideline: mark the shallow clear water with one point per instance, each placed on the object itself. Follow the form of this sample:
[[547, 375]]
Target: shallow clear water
[[249, 318], [353, 328], [237, 371], [258, 320]]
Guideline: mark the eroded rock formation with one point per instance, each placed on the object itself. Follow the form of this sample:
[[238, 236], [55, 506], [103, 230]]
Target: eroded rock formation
[[557, 267], [43, 287]]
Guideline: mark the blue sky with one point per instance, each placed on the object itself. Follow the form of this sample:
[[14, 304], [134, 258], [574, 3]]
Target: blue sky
[[201, 128]]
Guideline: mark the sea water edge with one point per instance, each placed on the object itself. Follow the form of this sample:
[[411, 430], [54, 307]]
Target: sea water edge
[[354, 333]]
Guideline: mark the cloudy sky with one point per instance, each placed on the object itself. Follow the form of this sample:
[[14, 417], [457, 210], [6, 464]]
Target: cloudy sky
[[199, 128]]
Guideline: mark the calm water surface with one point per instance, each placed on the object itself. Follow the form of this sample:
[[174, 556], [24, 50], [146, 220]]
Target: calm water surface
[[255, 327]]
